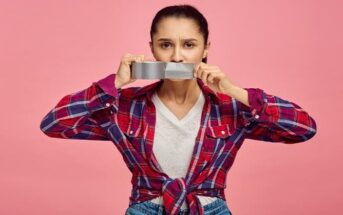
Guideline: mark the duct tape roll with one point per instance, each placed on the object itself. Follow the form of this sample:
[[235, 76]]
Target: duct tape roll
[[162, 70]]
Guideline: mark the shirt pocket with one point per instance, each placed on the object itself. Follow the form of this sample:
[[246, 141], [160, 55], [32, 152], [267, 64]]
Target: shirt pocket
[[135, 134], [216, 137], [133, 131], [218, 131]]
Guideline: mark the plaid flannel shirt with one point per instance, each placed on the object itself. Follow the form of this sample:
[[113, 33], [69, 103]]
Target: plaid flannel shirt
[[127, 118]]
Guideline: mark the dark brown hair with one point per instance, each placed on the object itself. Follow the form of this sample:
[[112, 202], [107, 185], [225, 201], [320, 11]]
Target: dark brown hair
[[185, 11]]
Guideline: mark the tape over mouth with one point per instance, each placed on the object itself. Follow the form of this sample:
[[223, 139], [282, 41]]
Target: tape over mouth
[[162, 70]]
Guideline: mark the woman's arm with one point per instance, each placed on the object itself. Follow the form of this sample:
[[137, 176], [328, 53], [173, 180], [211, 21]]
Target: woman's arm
[[79, 115], [271, 118]]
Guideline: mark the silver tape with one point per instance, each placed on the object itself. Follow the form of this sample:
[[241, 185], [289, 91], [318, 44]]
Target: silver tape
[[162, 70]]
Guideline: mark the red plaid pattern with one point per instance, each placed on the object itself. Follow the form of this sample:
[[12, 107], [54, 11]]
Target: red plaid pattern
[[127, 118]]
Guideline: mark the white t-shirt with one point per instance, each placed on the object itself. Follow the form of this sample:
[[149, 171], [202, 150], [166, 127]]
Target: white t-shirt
[[174, 141]]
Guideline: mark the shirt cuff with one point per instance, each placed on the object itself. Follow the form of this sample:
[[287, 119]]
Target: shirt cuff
[[107, 94], [107, 84], [258, 104]]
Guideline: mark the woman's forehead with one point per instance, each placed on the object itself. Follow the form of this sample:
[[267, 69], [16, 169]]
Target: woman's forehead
[[177, 29]]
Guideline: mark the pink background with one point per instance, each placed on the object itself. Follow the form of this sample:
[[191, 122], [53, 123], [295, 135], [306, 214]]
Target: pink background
[[48, 49]]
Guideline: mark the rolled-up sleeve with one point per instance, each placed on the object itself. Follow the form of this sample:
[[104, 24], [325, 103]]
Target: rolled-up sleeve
[[78, 115], [273, 119]]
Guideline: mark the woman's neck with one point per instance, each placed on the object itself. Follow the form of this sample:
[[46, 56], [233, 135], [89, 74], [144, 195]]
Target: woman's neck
[[181, 92]]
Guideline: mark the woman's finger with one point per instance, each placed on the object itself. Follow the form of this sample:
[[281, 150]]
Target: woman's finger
[[204, 74], [136, 58], [211, 77]]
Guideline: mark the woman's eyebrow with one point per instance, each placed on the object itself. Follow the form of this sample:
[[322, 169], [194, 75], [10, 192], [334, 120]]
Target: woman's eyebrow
[[188, 39]]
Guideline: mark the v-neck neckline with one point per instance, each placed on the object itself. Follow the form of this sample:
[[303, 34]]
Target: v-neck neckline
[[197, 154], [172, 117]]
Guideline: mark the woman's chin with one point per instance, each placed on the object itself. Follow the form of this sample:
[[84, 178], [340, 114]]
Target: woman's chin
[[177, 80]]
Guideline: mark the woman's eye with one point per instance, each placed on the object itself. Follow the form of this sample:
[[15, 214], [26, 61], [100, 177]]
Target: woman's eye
[[189, 45], [165, 45]]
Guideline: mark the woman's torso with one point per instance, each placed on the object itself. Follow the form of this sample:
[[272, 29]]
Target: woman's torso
[[174, 140]]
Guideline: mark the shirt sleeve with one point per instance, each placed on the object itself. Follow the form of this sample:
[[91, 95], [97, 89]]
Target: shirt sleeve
[[273, 119], [79, 115]]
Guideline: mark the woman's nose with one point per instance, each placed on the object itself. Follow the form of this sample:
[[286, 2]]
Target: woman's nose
[[177, 55]]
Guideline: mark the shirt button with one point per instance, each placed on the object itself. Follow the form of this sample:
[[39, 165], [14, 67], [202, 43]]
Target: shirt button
[[111, 112], [108, 104], [257, 116], [223, 132], [131, 132]]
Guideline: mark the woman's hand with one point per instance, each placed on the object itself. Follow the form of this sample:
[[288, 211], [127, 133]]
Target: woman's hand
[[123, 75], [213, 77]]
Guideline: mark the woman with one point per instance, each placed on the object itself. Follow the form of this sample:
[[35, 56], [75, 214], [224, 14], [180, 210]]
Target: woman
[[179, 138]]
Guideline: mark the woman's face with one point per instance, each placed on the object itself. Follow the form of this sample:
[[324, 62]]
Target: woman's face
[[178, 40]]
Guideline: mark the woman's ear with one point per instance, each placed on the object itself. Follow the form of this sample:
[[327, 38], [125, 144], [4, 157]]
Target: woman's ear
[[205, 54], [206, 50], [151, 47]]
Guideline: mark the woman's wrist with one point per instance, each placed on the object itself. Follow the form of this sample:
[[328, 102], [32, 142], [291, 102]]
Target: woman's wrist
[[117, 83], [238, 93]]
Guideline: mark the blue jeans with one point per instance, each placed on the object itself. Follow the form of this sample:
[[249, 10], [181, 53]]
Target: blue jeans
[[217, 207]]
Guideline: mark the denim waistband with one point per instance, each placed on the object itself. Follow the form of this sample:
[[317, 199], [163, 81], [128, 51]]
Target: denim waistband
[[218, 206]]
